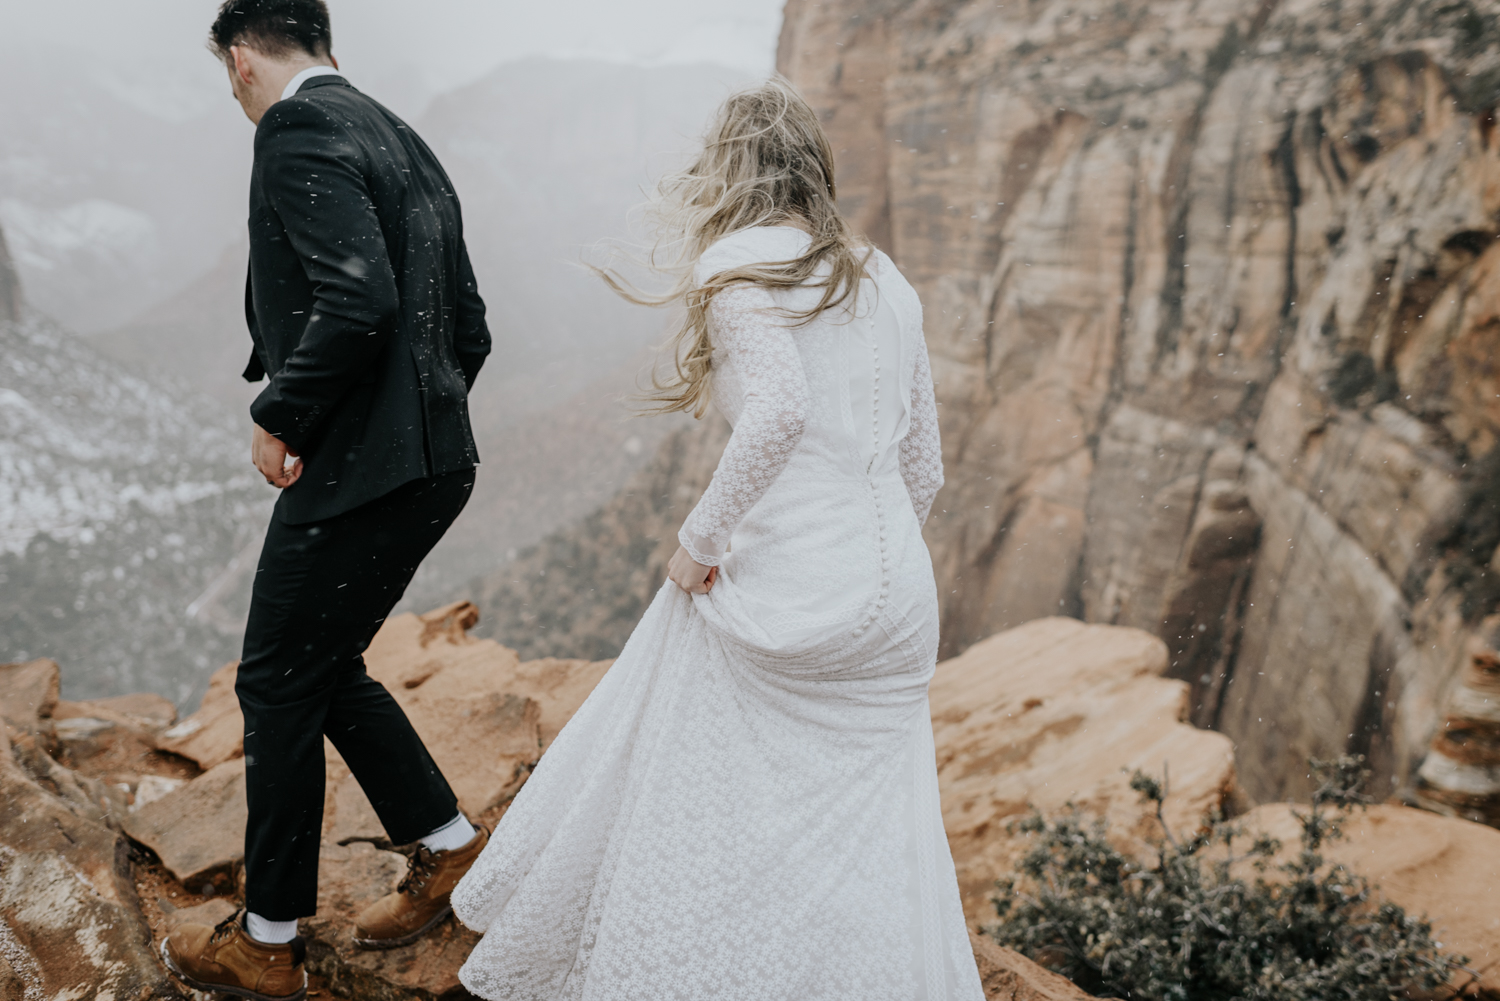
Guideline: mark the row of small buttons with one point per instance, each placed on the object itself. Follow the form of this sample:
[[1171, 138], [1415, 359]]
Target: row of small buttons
[[885, 556]]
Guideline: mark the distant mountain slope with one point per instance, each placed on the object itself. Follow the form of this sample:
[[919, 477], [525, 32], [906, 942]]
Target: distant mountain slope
[[548, 157], [580, 591], [196, 337], [121, 505], [115, 189], [10, 285]]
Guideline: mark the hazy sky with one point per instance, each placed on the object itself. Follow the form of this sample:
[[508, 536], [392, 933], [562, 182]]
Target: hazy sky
[[430, 45]]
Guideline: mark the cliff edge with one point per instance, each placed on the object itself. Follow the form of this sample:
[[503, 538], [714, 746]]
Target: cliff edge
[[118, 821]]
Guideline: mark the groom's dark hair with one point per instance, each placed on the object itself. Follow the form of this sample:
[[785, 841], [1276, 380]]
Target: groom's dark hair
[[275, 28]]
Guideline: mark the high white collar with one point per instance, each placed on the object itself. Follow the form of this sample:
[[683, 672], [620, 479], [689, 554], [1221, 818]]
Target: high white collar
[[295, 84]]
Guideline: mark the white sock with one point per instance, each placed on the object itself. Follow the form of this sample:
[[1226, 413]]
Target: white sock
[[454, 834], [269, 932]]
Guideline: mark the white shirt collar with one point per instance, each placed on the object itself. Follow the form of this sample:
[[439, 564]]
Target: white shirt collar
[[295, 84]]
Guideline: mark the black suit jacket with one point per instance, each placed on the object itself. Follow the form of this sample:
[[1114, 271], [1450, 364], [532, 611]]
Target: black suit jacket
[[360, 300]]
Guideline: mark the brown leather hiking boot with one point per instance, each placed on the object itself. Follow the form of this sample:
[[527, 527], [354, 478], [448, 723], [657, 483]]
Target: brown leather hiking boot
[[224, 958], [420, 903]]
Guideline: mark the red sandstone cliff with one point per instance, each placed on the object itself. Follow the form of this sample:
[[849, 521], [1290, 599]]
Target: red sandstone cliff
[[1213, 298]]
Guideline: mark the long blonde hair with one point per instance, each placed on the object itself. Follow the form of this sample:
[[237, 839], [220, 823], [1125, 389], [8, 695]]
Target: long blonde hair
[[766, 161]]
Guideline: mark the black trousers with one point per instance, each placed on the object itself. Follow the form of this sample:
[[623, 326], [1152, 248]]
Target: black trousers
[[321, 592]]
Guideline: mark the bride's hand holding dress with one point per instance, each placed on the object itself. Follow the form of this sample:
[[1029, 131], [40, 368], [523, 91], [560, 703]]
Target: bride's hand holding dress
[[746, 807], [688, 574]]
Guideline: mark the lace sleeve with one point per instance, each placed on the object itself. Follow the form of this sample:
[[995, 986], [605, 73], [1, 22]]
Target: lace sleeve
[[769, 371], [922, 449]]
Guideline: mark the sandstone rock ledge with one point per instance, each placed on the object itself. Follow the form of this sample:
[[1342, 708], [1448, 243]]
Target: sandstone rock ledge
[[80, 907], [1057, 712], [71, 924], [1050, 713], [1010, 976], [177, 789], [484, 715]]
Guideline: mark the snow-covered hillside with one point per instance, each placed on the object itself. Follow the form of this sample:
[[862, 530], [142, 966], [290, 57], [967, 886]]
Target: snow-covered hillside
[[129, 515]]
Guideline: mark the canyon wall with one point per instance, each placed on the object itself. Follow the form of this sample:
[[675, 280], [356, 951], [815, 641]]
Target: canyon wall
[[1212, 291]]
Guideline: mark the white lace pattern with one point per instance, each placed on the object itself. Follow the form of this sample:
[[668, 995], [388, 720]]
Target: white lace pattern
[[746, 807], [758, 366], [922, 448]]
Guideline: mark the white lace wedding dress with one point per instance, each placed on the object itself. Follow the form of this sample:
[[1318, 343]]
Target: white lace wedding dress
[[747, 806]]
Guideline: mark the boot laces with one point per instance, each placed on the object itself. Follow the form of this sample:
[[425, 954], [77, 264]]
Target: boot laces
[[224, 929], [419, 869]]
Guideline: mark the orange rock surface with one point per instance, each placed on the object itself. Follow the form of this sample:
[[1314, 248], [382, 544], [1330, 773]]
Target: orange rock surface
[[70, 922], [1050, 713], [1442, 867], [1057, 712], [1009, 976], [471, 701]]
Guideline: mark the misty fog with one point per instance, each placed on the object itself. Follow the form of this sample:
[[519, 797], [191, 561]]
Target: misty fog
[[123, 177]]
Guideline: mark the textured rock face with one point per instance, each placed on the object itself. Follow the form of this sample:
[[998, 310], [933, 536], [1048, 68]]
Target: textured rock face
[[70, 921], [28, 693], [1211, 291], [216, 732], [468, 699], [1461, 776], [1009, 976], [198, 830], [1057, 712], [1213, 297]]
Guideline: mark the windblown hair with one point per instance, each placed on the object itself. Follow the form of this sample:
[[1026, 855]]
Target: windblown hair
[[276, 28], [766, 161]]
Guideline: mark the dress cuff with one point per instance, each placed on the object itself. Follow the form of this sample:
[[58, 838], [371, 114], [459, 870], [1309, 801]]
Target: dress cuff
[[700, 549]]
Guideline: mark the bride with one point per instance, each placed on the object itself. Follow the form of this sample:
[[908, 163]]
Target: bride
[[747, 805]]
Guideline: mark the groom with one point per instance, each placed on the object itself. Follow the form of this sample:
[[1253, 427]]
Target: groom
[[364, 313]]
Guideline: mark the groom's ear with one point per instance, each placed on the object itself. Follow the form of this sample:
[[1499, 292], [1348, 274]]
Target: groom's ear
[[242, 63]]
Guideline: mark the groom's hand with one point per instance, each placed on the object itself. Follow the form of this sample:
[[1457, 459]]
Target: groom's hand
[[690, 575], [270, 455]]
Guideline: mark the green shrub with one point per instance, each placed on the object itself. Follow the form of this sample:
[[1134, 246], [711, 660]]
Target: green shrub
[[1188, 928]]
